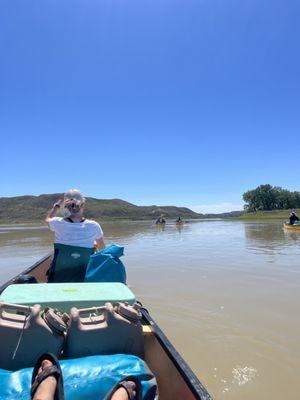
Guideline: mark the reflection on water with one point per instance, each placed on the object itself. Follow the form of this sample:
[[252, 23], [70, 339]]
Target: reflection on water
[[271, 242], [226, 293], [270, 236]]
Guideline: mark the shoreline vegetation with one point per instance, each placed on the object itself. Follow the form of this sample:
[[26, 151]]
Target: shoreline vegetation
[[269, 202], [33, 209], [272, 214]]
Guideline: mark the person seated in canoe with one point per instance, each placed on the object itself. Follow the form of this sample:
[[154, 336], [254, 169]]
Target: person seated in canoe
[[76, 238], [160, 220], [293, 217], [179, 220], [47, 383]]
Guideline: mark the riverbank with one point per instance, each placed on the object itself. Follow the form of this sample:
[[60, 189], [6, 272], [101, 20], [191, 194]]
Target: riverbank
[[235, 216], [23, 209], [262, 215], [150, 221]]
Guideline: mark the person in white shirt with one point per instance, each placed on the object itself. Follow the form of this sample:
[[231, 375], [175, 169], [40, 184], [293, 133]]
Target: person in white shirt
[[75, 238]]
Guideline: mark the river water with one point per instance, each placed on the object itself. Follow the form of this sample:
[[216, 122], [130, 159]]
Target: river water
[[225, 292]]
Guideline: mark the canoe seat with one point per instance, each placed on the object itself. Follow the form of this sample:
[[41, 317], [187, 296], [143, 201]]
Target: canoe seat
[[69, 263]]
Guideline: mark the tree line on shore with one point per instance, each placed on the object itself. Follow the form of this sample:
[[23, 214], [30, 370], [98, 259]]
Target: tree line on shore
[[268, 197]]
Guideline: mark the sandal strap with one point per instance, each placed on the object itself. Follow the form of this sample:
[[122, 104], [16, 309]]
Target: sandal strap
[[128, 388], [49, 371]]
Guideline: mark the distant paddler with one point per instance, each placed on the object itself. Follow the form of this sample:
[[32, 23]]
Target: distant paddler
[[294, 219], [160, 220], [294, 222], [179, 221]]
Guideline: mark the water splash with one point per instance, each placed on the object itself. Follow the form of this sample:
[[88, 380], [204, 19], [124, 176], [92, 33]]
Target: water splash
[[243, 375]]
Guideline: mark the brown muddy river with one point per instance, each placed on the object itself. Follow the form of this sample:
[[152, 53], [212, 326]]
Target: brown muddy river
[[226, 294]]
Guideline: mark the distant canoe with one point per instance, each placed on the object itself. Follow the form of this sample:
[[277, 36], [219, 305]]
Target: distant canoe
[[291, 227]]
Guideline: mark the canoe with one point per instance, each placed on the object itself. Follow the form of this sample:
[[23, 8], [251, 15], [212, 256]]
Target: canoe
[[291, 227], [176, 380]]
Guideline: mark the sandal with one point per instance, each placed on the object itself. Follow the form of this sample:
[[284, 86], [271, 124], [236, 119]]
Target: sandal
[[123, 383], [54, 370]]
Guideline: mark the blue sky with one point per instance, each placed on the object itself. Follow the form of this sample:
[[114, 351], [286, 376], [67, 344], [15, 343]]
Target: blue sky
[[182, 102]]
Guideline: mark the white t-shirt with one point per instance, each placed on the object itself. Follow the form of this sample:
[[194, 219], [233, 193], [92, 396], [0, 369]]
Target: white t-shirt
[[80, 234]]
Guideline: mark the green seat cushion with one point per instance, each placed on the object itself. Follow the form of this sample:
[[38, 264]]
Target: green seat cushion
[[64, 296]]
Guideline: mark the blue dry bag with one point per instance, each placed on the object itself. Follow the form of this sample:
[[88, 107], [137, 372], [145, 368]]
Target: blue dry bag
[[105, 266], [84, 378]]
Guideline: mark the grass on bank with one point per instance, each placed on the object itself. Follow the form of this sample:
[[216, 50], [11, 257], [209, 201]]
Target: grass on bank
[[274, 214]]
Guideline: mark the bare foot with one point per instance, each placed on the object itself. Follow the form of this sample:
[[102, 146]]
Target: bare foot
[[121, 393], [46, 389]]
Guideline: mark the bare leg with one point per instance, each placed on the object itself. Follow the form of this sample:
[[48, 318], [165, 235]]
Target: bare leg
[[46, 389]]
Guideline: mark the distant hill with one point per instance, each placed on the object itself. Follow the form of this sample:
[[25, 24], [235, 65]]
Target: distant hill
[[229, 214], [34, 209]]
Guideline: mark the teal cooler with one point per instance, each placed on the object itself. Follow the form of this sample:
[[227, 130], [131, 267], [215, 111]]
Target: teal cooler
[[64, 296]]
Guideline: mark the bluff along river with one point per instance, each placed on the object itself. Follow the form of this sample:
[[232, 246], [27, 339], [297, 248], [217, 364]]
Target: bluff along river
[[225, 292]]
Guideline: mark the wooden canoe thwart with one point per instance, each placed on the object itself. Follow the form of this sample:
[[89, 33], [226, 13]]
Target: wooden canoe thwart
[[176, 381]]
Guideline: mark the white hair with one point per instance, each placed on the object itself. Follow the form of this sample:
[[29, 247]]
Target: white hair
[[74, 194]]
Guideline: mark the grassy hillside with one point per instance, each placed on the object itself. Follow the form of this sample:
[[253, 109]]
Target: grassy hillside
[[34, 209]]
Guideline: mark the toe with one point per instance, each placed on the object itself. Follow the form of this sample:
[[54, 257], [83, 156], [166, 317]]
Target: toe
[[46, 364]]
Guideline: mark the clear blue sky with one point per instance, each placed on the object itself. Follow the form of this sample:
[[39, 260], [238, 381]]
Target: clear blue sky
[[183, 102]]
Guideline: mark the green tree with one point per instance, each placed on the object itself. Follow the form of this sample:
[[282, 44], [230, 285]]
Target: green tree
[[267, 197], [261, 198]]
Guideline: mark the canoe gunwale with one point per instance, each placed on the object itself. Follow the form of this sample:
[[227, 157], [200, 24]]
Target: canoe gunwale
[[27, 271]]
